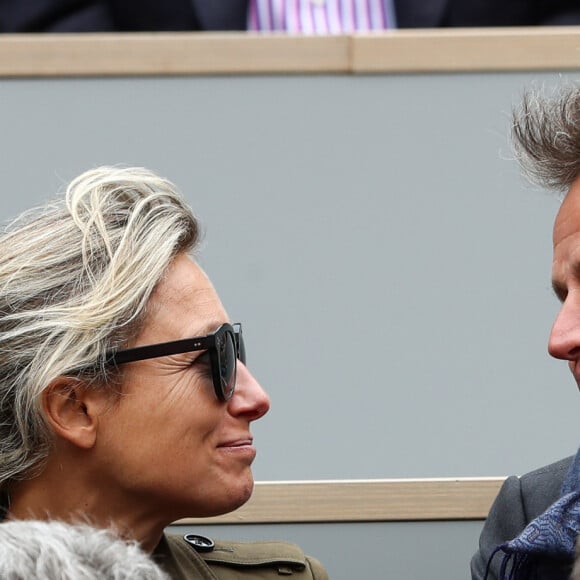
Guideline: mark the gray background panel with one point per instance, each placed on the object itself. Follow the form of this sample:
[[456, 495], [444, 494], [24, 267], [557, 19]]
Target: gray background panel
[[374, 235], [390, 265]]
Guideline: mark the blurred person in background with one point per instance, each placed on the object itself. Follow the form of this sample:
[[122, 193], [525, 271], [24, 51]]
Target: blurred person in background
[[291, 16]]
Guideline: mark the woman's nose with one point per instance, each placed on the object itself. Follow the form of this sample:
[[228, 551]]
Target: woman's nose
[[249, 398]]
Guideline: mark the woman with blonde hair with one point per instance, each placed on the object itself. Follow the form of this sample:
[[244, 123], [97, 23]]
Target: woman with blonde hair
[[124, 395]]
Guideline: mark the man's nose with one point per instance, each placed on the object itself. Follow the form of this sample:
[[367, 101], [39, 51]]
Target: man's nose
[[564, 341]]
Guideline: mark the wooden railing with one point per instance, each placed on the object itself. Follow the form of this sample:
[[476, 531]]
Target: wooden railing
[[365, 501], [398, 51]]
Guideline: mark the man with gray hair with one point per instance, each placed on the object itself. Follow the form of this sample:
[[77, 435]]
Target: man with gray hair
[[533, 524], [53, 550]]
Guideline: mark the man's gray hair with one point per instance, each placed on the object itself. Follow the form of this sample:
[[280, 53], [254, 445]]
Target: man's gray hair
[[546, 136], [54, 550], [75, 278]]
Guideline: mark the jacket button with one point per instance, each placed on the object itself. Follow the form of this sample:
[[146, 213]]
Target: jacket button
[[200, 543]]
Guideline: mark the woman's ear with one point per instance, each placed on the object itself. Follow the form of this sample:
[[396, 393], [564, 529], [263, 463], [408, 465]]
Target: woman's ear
[[72, 410]]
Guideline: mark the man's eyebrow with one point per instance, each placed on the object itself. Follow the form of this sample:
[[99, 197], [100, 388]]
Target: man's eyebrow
[[560, 289]]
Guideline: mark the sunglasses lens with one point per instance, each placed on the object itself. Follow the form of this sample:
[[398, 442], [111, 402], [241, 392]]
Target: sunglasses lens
[[227, 358], [241, 346]]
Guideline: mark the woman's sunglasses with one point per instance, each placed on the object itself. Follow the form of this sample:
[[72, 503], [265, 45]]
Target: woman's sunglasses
[[224, 346]]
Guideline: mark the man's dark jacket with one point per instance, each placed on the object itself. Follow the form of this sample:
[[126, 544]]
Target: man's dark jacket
[[520, 500], [159, 15]]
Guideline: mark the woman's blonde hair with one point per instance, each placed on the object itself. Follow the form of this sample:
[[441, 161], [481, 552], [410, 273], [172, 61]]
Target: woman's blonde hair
[[75, 278]]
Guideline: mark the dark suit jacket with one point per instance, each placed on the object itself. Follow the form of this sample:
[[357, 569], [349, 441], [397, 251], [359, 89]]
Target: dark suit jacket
[[442, 13], [520, 500], [121, 15], [127, 15]]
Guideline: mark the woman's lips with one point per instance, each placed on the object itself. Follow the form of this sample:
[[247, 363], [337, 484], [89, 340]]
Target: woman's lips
[[237, 443], [240, 447]]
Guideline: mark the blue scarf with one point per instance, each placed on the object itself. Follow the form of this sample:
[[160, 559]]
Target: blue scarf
[[546, 547]]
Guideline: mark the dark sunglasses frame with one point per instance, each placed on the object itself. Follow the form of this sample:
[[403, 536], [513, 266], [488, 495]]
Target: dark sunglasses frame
[[213, 342]]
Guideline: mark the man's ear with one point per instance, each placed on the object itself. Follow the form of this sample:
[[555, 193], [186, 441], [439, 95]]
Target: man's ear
[[72, 410]]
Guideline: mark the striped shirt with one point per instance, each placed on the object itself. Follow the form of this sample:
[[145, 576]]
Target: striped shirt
[[320, 16]]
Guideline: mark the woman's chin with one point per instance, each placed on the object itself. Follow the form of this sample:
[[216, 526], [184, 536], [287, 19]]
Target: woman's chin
[[234, 497], [239, 496]]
